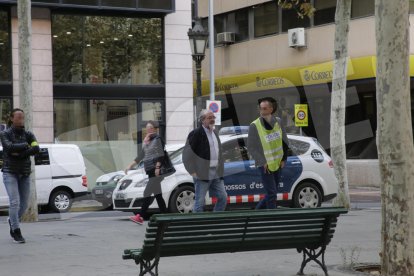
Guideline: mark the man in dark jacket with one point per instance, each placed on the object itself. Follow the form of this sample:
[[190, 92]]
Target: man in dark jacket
[[18, 145], [268, 145], [202, 158]]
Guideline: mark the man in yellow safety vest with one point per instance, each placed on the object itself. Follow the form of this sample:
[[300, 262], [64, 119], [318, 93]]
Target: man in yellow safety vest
[[268, 145]]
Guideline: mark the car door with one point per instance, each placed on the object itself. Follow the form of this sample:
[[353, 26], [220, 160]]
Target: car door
[[290, 173], [241, 177], [43, 175]]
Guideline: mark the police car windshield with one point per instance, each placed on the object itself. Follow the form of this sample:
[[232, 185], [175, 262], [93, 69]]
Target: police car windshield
[[234, 130]]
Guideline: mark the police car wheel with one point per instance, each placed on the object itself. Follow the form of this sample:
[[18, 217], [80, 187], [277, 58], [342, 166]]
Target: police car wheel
[[307, 195], [182, 200]]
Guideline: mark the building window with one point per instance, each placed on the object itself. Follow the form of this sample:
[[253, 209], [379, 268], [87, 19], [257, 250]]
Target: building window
[[325, 12], [107, 50], [238, 23], [218, 26], [361, 8], [266, 19], [5, 52], [291, 20]]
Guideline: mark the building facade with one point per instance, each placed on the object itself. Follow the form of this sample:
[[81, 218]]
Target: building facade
[[255, 60], [101, 70]]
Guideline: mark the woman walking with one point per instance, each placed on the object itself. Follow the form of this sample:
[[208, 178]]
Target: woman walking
[[152, 155]]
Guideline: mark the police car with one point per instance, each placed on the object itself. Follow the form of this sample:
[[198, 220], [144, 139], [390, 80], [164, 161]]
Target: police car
[[307, 179]]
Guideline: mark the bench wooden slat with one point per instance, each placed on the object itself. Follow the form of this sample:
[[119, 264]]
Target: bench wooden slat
[[193, 226], [222, 231], [237, 237], [277, 213], [233, 245]]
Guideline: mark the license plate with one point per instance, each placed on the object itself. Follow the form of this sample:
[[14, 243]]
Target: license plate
[[98, 192], [120, 196]]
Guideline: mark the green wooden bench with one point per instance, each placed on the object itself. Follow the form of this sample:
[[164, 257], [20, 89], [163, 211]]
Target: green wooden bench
[[307, 230]]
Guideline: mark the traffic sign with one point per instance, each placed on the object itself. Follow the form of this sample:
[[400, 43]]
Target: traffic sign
[[301, 115], [215, 107]]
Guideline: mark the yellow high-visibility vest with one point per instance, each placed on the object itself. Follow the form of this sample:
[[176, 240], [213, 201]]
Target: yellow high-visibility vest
[[272, 143]]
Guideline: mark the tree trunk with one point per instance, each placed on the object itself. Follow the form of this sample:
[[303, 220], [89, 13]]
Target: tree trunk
[[337, 131], [25, 88], [394, 137]]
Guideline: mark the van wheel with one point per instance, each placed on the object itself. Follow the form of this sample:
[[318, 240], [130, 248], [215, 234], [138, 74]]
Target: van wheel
[[60, 201], [182, 200], [307, 195]]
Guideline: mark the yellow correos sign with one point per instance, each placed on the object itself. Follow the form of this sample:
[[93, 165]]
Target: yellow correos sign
[[301, 115], [358, 68]]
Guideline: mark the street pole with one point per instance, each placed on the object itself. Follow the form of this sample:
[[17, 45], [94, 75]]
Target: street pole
[[198, 74], [211, 45], [24, 15]]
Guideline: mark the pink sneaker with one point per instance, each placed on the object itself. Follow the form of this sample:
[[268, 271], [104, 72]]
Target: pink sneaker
[[137, 219]]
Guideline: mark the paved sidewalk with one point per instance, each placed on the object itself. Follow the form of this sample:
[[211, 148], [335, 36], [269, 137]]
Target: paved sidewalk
[[73, 244]]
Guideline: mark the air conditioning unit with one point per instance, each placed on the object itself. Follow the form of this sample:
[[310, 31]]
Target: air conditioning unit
[[297, 38], [226, 38]]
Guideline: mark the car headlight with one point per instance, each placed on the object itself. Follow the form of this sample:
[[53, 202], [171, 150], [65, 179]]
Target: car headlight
[[116, 178], [141, 183]]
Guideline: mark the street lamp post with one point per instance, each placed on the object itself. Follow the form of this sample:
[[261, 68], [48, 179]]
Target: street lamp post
[[198, 41]]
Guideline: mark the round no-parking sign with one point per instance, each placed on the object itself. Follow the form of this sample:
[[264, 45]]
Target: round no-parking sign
[[215, 107]]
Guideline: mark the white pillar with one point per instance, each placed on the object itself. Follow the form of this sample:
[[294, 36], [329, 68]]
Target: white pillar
[[178, 74]]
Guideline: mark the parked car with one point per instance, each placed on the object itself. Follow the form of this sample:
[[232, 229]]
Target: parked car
[[307, 179], [105, 184], [60, 177]]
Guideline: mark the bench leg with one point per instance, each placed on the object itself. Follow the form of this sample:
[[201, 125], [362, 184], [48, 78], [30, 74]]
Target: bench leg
[[312, 255], [148, 267]]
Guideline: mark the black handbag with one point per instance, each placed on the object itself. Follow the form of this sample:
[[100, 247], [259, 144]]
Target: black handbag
[[167, 168]]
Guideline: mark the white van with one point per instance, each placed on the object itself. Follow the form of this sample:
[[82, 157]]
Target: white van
[[60, 176]]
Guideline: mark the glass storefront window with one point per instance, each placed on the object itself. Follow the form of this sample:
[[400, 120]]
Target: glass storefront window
[[5, 52], [47, 1], [5, 108], [151, 4], [120, 3], [107, 50], [290, 20], [105, 131], [266, 19], [361, 8], [81, 2], [325, 12], [151, 111], [94, 120]]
